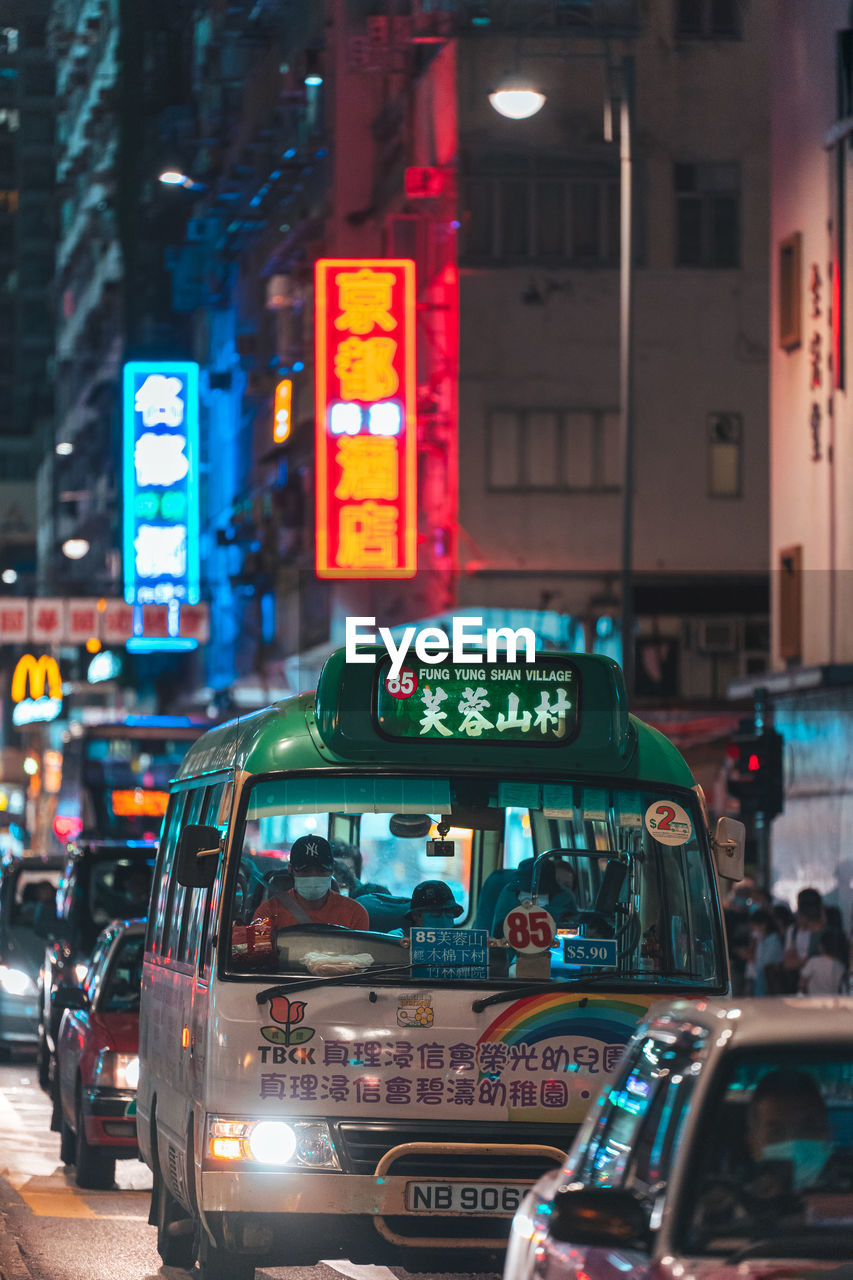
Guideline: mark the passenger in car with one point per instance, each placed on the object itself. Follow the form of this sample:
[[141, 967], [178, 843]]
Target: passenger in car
[[433, 905]]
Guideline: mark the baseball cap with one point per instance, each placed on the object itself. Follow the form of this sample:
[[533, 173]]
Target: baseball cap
[[433, 895], [311, 851]]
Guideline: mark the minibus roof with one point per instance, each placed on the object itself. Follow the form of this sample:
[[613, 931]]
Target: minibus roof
[[354, 719]]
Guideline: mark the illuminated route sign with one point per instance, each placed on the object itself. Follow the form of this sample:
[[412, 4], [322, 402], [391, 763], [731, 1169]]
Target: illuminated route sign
[[537, 704], [161, 560], [365, 429]]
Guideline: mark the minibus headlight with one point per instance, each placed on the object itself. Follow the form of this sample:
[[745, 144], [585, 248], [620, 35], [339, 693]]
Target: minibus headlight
[[272, 1142], [116, 1070], [285, 1143]]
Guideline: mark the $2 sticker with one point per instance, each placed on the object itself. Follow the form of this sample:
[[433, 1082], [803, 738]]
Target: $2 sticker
[[668, 822]]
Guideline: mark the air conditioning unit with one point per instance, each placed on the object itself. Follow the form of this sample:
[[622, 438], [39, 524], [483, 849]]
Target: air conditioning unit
[[717, 635]]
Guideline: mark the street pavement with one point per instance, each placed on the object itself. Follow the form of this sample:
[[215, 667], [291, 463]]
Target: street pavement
[[51, 1230]]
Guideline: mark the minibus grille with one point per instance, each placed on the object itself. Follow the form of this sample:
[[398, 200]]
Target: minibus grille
[[362, 1144]]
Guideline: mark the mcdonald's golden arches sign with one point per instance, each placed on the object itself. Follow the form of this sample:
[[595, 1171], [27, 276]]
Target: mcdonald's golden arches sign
[[36, 689]]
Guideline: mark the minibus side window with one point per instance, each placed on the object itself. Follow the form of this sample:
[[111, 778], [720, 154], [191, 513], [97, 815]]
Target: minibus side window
[[178, 892], [163, 872], [198, 900]]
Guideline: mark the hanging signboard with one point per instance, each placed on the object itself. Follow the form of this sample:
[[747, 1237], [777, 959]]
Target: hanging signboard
[[365, 426], [161, 553]]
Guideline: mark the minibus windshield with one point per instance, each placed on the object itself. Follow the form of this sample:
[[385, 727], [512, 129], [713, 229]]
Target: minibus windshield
[[624, 875]]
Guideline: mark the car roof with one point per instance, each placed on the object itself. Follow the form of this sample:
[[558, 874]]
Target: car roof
[[757, 1022]]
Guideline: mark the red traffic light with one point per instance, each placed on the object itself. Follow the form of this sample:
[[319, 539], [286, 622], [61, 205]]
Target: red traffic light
[[753, 763]]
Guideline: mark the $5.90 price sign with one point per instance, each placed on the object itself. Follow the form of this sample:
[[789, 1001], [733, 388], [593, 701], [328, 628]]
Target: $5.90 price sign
[[529, 928]]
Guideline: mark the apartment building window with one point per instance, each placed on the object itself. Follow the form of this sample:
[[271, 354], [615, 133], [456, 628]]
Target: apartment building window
[[571, 450], [791, 604], [531, 215], [790, 305], [707, 215], [707, 19], [725, 442]]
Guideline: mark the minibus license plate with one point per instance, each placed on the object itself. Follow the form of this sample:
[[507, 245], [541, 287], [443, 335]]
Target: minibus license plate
[[464, 1197]]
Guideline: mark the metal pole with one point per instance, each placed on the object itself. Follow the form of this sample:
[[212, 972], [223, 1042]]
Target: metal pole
[[626, 372]]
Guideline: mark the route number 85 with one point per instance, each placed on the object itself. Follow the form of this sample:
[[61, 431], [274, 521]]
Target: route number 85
[[529, 928], [402, 686]]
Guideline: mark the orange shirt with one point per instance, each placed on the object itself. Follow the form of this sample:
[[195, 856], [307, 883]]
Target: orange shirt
[[333, 909]]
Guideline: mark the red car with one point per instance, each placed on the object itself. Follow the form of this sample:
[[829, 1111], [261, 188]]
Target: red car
[[98, 1058]]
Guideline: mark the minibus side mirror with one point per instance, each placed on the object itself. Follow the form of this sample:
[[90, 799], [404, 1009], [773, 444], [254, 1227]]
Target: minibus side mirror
[[609, 1217], [729, 843], [198, 855]]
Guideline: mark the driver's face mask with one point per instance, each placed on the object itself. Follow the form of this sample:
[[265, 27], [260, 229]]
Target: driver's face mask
[[807, 1157], [312, 887]]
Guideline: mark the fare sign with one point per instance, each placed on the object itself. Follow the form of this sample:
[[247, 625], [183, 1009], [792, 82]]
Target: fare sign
[[161, 554], [536, 704], [365, 426]]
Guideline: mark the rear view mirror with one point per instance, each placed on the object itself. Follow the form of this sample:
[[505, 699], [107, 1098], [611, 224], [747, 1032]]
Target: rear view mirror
[[410, 826], [605, 1216], [198, 855], [729, 843]]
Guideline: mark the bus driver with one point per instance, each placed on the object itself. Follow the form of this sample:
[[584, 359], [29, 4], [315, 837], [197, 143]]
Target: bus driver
[[312, 899]]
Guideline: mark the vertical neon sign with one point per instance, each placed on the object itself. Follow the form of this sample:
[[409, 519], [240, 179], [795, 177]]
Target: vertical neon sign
[[366, 436], [161, 553]]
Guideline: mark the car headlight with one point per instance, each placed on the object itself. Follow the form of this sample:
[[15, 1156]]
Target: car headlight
[[80, 971], [305, 1144], [116, 1070], [16, 983]]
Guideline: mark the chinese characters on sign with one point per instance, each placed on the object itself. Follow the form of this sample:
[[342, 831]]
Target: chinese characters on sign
[[484, 1076], [450, 953], [365, 431], [815, 362], [161, 562], [536, 704]]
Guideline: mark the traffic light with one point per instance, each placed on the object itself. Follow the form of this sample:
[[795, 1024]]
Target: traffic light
[[755, 775]]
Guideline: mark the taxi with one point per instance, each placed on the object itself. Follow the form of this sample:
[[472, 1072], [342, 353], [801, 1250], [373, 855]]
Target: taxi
[[722, 1145], [98, 1058]]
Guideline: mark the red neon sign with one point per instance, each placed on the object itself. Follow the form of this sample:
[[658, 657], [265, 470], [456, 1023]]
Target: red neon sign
[[365, 427]]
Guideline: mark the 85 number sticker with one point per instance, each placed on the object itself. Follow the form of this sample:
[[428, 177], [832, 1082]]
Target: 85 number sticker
[[403, 685], [668, 822], [529, 928]]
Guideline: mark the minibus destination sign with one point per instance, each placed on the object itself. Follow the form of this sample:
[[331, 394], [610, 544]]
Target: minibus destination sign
[[492, 702]]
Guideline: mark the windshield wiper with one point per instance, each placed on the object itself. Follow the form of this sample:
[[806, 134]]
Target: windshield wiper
[[303, 984], [583, 980]]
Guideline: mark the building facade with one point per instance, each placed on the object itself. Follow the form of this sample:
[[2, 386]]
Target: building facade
[[811, 471], [27, 227]]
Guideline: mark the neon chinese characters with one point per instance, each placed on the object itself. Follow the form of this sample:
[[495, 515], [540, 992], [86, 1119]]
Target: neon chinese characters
[[366, 433], [161, 558]]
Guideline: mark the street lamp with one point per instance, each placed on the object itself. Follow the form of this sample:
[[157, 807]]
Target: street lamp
[[75, 548], [515, 98], [518, 99]]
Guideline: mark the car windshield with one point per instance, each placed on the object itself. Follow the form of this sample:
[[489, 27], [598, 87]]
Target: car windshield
[[631, 899], [122, 982], [774, 1163], [120, 886]]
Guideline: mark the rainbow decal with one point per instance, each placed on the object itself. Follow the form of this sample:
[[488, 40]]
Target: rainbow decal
[[610, 1020]]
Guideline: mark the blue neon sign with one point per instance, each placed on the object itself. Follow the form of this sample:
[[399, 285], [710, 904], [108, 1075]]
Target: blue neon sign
[[161, 548]]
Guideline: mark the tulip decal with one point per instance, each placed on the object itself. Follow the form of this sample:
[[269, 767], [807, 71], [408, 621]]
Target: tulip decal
[[287, 1011], [288, 1014]]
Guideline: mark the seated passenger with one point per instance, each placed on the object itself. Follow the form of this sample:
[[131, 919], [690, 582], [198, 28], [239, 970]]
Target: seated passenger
[[312, 899], [557, 883], [433, 905]]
